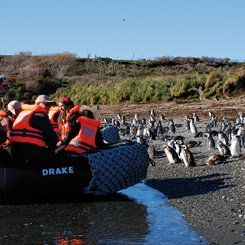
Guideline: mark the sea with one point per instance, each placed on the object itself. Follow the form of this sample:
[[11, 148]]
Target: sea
[[136, 215]]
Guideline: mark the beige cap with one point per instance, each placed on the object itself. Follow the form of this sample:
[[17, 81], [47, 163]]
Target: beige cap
[[44, 98], [14, 105]]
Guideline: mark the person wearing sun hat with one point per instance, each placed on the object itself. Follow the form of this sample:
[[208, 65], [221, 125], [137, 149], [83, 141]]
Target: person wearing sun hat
[[14, 107], [7, 118], [33, 138]]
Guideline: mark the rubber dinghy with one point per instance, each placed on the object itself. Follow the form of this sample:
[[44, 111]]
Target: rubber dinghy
[[104, 171]]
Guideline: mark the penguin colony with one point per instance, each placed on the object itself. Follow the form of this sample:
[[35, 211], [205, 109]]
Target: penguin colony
[[223, 138]]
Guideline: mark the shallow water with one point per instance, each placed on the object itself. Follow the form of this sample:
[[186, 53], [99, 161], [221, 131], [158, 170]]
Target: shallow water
[[136, 215]]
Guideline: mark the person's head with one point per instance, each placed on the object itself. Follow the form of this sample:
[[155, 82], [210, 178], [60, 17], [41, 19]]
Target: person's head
[[14, 107], [44, 101], [65, 104], [87, 113]]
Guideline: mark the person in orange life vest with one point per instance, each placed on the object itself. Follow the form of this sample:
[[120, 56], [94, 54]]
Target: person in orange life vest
[[68, 116], [33, 137], [56, 117], [85, 135], [7, 118]]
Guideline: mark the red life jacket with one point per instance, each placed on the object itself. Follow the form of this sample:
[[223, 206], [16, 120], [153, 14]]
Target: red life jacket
[[66, 127], [23, 132], [85, 140], [6, 127]]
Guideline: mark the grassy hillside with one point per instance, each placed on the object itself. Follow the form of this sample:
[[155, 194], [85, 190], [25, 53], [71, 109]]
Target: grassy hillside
[[107, 81]]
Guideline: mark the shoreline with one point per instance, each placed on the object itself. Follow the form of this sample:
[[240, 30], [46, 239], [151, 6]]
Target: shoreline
[[212, 198]]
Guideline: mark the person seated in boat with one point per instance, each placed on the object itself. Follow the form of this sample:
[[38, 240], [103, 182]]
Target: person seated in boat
[[84, 135], [33, 137], [63, 118], [7, 118]]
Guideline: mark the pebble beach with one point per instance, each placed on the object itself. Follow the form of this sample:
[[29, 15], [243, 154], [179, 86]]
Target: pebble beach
[[211, 197]]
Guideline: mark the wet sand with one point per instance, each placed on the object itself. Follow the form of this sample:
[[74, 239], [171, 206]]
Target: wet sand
[[212, 198]]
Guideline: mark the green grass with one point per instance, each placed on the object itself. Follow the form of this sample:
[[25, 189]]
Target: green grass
[[107, 81]]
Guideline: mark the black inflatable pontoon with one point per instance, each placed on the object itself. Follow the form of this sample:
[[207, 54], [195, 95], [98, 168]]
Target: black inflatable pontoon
[[105, 171]]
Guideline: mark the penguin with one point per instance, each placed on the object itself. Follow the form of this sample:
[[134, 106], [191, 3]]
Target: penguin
[[146, 133], [106, 121], [192, 143], [235, 147], [123, 121], [193, 127], [152, 120], [151, 151], [239, 118], [133, 131], [211, 114], [135, 120], [240, 131], [223, 124], [228, 130], [187, 123], [210, 141], [159, 128], [152, 113], [151, 154], [161, 117], [214, 122], [171, 154], [223, 138], [215, 159], [187, 156], [177, 146], [223, 149], [171, 126], [195, 117]]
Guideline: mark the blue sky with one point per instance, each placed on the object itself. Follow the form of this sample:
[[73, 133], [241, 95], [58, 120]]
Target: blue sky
[[124, 29]]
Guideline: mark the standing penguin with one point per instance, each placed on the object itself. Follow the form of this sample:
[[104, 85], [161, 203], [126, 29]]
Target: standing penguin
[[171, 154], [171, 126], [187, 156], [223, 138], [210, 141], [195, 117], [223, 149], [193, 127], [235, 147]]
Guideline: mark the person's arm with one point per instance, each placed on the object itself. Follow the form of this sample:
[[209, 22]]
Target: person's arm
[[99, 141], [41, 121], [73, 133]]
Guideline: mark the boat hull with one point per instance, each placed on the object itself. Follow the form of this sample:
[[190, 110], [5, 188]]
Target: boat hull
[[104, 171], [45, 180]]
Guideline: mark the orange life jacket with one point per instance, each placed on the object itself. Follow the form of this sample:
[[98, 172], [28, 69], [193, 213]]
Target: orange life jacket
[[66, 127], [52, 114], [6, 128], [85, 140], [23, 132]]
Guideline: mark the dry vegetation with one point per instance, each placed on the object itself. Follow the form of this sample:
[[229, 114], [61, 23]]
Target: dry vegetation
[[106, 81]]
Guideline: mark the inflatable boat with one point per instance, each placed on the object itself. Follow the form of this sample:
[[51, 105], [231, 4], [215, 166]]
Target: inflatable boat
[[104, 171]]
